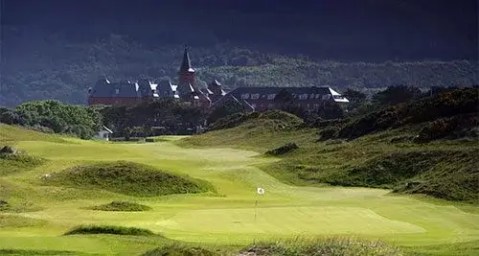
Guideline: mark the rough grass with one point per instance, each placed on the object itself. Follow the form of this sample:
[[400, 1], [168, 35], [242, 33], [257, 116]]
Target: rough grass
[[326, 247], [37, 252], [121, 206], [112, 230], [178, 249], [443, 169], [127, 178], [13, 221], [13, 163], [278, 120], [13, 134]]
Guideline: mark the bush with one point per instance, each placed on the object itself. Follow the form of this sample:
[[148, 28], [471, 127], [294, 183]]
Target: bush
[[113, 230], [8, 150], [4, 205], [328, 133], [288, 147]]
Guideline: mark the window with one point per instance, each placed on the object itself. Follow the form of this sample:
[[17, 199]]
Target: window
[[311, 96], [255, 96], [271, 96], [326, 97], [317, 96], [303, 96], [117, 91], [245, 96]]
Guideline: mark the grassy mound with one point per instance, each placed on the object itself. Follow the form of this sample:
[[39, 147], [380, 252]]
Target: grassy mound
[[13, 221], [112, 230], [180, 250], [12, 133], [278, 120], [127, 178], [329, 247], [446, 174], [121, 206], [454, 103], [17, 162]]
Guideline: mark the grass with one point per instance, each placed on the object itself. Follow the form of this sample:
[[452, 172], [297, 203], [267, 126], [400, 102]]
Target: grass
[[127, 178], [224, 221], [330, 247], [13, 163], [36, 252], [121, 206], [444, 169], [111, 230], [180, 250]]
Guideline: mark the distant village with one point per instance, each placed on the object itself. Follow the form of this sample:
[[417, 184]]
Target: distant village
[[126, 93]]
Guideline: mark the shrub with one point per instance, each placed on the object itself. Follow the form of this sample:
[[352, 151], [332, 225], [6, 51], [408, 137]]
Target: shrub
[[328, 133], [4, 205], [288, 147]]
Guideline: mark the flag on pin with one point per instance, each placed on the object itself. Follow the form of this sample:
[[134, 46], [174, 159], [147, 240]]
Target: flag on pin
[[260, 191]]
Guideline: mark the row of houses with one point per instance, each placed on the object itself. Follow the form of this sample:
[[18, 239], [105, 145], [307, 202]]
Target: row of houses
[[105, 92]]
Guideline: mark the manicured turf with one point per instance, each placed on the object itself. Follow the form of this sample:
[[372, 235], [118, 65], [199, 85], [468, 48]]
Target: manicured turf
[[224, 218]]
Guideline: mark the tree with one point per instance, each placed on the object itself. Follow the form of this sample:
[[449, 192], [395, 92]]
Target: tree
[[396, 94], [227, 108]]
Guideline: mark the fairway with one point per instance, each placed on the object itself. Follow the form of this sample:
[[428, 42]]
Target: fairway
[[223, 217]]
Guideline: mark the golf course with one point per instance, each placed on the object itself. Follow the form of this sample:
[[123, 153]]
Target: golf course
[[227, 214]]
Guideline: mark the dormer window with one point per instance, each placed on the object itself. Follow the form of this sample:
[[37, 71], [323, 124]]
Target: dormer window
[[255, 96], [271, 96], [245, 96], [117, 91], [303, 96]]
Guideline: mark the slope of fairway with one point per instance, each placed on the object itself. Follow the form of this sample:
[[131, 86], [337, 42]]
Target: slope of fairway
[[226, 218]]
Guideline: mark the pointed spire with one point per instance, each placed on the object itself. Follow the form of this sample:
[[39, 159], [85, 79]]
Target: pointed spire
[[186, 63]]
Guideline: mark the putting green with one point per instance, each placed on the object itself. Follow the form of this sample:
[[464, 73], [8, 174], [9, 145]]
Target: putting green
[[227, 217]]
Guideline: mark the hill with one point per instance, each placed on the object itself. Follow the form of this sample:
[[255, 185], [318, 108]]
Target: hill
[[63, 68], [407, 151]]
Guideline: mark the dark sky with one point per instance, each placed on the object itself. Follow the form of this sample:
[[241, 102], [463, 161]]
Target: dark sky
[[359, 29]]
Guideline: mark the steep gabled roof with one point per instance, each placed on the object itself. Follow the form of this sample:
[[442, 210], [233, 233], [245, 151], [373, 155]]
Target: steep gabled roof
[[102, 89], [186, 63]]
